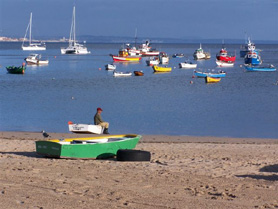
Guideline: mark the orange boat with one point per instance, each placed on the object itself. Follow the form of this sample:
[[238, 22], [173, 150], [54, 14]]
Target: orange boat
[[124, 57]]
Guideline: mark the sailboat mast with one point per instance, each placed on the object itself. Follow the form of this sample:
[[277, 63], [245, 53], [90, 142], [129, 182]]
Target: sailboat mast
[[30, 35], [135, 36], [74, 25]]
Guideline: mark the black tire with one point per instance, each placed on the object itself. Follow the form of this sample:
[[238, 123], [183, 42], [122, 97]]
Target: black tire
[[133, 155]]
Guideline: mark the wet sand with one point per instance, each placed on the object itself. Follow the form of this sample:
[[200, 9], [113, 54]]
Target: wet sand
[[184, 172]]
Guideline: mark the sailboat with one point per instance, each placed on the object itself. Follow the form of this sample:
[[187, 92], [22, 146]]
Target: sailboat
[[32, 46], [74, 47]]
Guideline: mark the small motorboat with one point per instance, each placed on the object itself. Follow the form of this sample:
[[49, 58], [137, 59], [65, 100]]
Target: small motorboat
[[200, 74], [35, 59], [153, 61], [212, 79], [180, 55], [187, 65], [122, 74], [110, 67], [161, 69], [90, 147], [138, 73], [16, 70], [269, 68], [224, 64], [253, 58]]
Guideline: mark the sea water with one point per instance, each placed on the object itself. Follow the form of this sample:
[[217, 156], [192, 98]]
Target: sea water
[[71, 87]]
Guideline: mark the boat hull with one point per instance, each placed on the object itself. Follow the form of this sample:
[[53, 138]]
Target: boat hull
[[138, 73], [212, 80], [224, 64], [260, 69], [126, 59], [85, 128], [94, 147], [187, 65], [122, 74], [16, 70], [161, 69], [213, 75], [33, 48]]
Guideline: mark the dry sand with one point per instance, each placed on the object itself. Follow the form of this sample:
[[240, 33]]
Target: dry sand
[[185, 172]]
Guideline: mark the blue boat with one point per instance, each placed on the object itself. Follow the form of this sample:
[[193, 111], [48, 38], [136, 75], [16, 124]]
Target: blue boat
[[249, 46], [269, 68], [199, 74], [252, 58]]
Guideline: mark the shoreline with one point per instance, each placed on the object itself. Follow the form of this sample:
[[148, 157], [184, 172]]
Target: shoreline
[[22, 135]]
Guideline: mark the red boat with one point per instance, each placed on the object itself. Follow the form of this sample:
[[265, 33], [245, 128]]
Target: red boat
[[223, 56]]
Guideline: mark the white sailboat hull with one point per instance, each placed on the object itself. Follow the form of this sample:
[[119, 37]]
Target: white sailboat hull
[[33, 48]]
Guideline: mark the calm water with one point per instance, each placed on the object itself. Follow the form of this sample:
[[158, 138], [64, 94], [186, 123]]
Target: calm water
[[242, 105]]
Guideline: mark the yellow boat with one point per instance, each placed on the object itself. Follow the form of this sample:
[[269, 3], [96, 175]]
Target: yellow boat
[[161, 69], [212, 80]]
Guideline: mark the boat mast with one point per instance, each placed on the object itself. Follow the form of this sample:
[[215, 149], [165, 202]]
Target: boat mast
[[135, 36], [30, 35], [74, 25]]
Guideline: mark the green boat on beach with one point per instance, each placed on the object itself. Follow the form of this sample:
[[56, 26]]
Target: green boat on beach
[[16, 70], [93, 147]]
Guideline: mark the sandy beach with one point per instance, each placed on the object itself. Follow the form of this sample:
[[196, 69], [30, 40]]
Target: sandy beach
[[184, 172]]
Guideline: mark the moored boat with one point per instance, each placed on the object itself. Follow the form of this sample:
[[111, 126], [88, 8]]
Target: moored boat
[[16, 70], [122, 74], [187, 65], [219, 74], [179, 55], [74, 47], [124, 56], [224, 57], [91, 147], [249, 46], [251, 68], [31, 46], [164, 58], [212, 79], [161, 69], [153, 61], [110, 67], [35, 59], [199, 54], [224, 64], [138, 73], [252, 58]]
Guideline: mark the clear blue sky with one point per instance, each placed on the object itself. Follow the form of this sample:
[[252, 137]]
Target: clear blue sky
[[224, 19]]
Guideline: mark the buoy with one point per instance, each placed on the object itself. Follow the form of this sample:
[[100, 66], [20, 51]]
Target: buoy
[[72, 97], [99, 68], [193, 76], [191, 82], [53, 78], [54, 56]]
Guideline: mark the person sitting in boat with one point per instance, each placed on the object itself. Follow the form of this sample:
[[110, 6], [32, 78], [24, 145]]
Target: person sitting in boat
[[98, 121]]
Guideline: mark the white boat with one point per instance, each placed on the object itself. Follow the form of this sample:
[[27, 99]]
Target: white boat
[[153, 61], [164, 58], [110, 67], [35, 59], [187, 65], [122, 74], [74, 47], [224, 64], [85, 128], [200, 54], [31, 46]]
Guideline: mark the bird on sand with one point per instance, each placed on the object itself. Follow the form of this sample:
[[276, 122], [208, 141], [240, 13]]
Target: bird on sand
[[45, 135]]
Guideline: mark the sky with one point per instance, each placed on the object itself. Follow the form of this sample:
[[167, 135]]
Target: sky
[[208, 19]]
